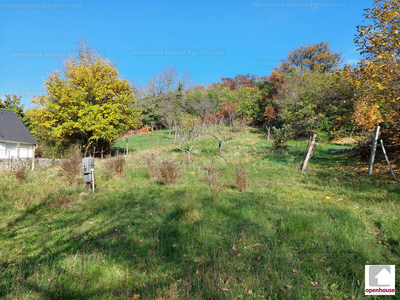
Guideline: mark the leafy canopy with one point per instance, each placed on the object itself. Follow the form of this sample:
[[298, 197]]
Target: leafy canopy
[[89, 103], [318, 57], [377, 76]]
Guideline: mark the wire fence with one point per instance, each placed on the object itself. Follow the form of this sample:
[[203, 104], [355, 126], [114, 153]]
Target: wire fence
[[136, 143]]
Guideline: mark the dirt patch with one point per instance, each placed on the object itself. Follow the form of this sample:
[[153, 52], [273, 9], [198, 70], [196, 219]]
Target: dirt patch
[[344, 140]]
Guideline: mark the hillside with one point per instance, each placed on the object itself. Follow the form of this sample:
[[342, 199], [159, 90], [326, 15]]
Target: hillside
[[290, 235]]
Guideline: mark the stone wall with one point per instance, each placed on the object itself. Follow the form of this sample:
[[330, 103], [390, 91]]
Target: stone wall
[[13, 164]]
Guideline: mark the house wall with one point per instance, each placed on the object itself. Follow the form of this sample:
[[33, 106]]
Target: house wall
[[9, 150]]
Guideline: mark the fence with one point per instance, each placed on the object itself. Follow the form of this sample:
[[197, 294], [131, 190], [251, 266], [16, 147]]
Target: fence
[[142, 143], [14, 164]]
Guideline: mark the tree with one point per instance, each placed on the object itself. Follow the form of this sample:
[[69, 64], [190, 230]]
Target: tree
[[315, 99], [318, 57], [377, 76], [247, 99], [88, 103], [14, 103], [251, 93], [228, 113], [199, 102], [217, 129], [162, 98], [270, 116], [188, 134]]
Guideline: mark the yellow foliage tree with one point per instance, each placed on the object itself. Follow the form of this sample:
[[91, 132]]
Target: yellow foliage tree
[[377, 76], [90, 104]]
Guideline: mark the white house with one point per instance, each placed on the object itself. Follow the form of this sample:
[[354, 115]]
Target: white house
[[15, 139]]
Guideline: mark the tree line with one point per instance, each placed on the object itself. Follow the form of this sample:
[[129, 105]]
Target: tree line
[[311, 89]]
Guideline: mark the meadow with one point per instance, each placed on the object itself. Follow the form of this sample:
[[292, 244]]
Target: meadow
[[289, 235]]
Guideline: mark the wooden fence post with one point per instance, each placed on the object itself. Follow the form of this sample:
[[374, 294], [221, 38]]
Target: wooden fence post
[[33, 157], [388, 162], [309, 153], [373, 150]]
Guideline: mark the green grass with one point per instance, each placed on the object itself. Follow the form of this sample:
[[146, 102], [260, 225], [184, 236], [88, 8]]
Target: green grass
[[291, 235], [144, 141]]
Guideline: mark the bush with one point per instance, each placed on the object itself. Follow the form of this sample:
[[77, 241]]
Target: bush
[[153, 165], [21, 173], [71, 165], [213, 179], [169, 171], [241, 179], [281, 136], [115, 165]]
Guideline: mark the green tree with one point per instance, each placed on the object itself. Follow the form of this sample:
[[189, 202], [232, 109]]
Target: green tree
[[14, 103], [88, 103], [317, 99]]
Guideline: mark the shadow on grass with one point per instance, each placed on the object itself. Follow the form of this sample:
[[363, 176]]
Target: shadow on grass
[[149, 240]]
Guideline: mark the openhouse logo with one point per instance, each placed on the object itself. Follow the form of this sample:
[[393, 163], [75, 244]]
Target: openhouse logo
[[379, 280]]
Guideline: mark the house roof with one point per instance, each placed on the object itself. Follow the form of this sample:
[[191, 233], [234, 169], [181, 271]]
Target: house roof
[[13, 130]]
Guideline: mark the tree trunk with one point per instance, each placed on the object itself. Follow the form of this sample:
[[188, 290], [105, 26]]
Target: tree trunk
[[188, 157], [220, 147]]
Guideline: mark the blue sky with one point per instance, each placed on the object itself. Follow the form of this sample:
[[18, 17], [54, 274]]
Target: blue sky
[[210, 38]]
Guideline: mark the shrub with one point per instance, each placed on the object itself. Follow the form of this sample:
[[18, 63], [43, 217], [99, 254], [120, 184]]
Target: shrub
[[169, 171], [115, 165], [152, 163], [213, 179], [71, 165], [241, 179], [281, 136], [21, 173]]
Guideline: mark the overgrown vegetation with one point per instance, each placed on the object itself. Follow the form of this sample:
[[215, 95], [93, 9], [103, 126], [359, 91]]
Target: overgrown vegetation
[[241, 179], [72, 164], [213, 180], [115, 165], [21, 173], [282, 136], [169, 171], [292, 235]]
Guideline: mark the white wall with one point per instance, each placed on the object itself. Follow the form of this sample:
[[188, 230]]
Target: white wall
[[3, 151], [10, 150]]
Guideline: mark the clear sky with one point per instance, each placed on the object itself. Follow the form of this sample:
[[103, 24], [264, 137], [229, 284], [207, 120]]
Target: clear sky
[[210, 38]]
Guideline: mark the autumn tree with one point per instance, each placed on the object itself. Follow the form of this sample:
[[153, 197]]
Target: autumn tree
[[88, 103], [228, 113], [318, 57], [309, 91], [377, 76], [250, 92], [270, 116]]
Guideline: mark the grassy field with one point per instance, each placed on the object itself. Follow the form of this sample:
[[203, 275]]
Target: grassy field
[[291, 235], [144, 141]]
